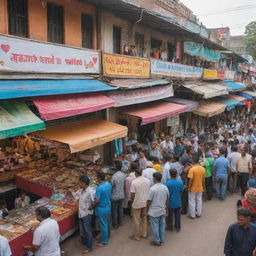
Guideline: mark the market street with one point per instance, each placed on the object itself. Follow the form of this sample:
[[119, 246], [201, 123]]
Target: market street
[[197, 237]]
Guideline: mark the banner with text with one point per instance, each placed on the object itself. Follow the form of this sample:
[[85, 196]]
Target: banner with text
[[164, 68], [210, 74], [115, 65], [22, 55]]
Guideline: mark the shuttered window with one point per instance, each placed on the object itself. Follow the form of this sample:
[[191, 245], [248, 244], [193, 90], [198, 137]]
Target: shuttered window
[[87, 31], [55, 18], [117, 39], [18, 17]]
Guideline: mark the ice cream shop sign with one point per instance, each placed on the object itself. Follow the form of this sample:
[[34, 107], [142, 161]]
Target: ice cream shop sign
[[22, 55]]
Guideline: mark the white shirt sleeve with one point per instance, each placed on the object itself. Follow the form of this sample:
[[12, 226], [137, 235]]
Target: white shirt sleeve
[[5, 249], [150, 195], [37, 238], [132, 188]]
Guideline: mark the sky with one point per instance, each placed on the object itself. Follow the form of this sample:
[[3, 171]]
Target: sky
[[235, 14]]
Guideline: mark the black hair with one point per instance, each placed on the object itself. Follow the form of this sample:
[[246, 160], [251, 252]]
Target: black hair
[[157, 176], [21, 193], [243, 212], [176, 157], [234, 148], [222, 151], [85, 179], [43, 212], [188, 148], [173, 173], [134, 166], [101, 175], [138, 171], [155, 159], [118, 165], [195, 158], [134, 148]]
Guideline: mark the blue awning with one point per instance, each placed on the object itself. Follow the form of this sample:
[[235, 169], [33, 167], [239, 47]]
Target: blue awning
[[234, 87], [247, 96], [230, 103], [28, 88]]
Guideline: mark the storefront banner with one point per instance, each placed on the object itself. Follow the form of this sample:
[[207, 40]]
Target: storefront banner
[[221, 74], [115, 65], [230, 75], [164, 68], [210, 74], [173, 121], [23, 55]]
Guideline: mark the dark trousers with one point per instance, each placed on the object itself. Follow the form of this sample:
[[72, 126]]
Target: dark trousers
[[117, 212], [184, 202], [242, 181], [209, 187], [86, 225], [173, 220]]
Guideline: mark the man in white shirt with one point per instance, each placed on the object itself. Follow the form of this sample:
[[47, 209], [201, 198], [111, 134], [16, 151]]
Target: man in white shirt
[[148, 173], [233, 158], [167, 145], [46, 237], [5, 249]]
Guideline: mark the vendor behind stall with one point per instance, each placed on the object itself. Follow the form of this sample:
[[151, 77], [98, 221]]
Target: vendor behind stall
[[22, 200], [3, 209]]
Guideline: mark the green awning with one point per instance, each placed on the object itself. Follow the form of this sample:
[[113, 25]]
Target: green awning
[[17, 119]]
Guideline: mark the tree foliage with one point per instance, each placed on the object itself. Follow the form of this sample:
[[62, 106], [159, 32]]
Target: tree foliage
[[250, 38]]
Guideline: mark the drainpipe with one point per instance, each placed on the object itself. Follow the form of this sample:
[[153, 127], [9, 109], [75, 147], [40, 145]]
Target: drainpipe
[[141, 17]]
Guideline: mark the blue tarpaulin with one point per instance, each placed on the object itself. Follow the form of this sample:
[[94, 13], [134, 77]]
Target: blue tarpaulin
[[234, 87], [28, 88], [247, 96], [230, 103]]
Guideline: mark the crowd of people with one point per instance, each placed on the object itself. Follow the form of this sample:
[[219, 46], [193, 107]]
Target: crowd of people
[[158, 181]]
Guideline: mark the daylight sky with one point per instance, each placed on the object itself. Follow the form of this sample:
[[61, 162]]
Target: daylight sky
[[235, 14]]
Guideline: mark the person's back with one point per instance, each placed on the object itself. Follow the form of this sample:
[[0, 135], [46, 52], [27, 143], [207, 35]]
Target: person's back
[[5, 249], [233, 158], [221, 164], [197, 174], [175, 187], [118, 182], [103, 193], [208, 165], [148, 173]]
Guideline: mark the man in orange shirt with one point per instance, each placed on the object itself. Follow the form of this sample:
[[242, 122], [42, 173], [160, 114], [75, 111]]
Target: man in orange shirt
[[196, 187]]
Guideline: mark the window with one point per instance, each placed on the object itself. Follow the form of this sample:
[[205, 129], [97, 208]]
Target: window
[[171, 50], [18, 17], [87, 31], [117, 39], [155, 43], [55, 18], [139, 42]]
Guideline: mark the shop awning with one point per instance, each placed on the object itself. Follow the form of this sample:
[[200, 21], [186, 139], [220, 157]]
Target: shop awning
[[207, 90], [253, 94], [247, 96], [191, 105], [236, 97], [234, 87], [153, 112], [230, 103], [84, 134], [17, 119], [54, 107], [209, 109], [138, 83], [29, 88], [130, 97]]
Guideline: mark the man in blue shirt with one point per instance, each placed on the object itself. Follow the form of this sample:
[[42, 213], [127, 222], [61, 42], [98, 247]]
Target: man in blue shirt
[[241, 236], [220, 174], [175, 187], [102, 205]]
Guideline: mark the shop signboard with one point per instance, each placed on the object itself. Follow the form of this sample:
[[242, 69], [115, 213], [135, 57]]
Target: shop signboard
[[115, 65], [164, 68], [23, 55], [173, 121], [221, 74], [230, 75], [210, 74]]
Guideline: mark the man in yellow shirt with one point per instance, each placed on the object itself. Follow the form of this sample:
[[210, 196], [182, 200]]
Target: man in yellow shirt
[[196, 186]]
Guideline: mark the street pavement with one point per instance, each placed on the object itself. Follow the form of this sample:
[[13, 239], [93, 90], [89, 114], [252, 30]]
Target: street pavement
[[199, 237]]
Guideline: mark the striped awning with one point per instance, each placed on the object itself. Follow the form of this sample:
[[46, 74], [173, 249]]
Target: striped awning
[[209, 109]]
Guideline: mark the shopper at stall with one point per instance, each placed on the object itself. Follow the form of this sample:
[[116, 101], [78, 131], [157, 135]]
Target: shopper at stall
[[3, 209], [117, 196], [142, 159], [244, 168], [157, 205], [139, 196], [175, 187], [102, 205], [167, 145], [86, 197], [175, 164], [179, 148], [241, 236], [166, 168], [155, 152], [5, 249], [196, 186], [221, 169], [208, 165], [46, 237], [22, 200]]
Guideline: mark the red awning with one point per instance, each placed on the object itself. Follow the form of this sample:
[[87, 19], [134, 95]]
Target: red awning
[[153, 112], [54, 107]]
